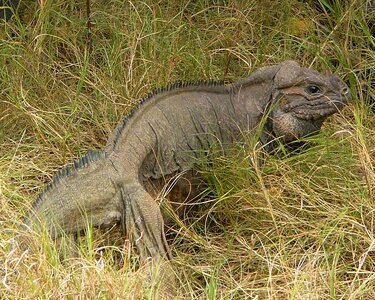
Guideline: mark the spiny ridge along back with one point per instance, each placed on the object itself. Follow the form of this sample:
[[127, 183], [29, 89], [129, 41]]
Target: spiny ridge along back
[[173, 86], [83, 161], [183, 84]]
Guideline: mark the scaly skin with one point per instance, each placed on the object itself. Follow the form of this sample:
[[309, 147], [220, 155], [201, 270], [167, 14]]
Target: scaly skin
[[166, 132]]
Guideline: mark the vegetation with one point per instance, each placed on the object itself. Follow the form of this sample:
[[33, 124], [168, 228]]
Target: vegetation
[[300, 227]]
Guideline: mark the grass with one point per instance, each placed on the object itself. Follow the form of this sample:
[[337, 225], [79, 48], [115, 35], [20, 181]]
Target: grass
[[301, 227]]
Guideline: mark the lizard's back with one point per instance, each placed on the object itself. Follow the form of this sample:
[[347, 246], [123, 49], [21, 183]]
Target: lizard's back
[[171, 129]]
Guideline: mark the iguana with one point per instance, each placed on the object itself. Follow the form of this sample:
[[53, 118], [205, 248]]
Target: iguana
[[163, 134]]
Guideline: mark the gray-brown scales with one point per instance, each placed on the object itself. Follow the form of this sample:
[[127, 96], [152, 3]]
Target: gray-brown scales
[[161, 138]]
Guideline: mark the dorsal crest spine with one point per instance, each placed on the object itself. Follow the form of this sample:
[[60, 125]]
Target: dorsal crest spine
[[68, 170], [179, 85], [83, 161], [80, 163]]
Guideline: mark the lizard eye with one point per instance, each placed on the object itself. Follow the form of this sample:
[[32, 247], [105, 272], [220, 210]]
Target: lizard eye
[[312, 89]]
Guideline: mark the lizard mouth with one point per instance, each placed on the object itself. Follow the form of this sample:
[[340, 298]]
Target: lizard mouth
[[302, 118], [314, 110]]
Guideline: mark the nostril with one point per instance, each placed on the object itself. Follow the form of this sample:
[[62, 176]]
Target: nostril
[[344, 91]]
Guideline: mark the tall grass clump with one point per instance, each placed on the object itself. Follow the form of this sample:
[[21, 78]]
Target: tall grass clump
[[299, 225]]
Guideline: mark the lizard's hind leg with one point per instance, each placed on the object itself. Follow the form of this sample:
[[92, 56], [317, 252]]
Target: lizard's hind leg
[[144, 222]]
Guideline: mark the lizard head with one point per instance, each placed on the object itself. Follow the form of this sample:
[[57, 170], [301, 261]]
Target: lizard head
[[303, 99]]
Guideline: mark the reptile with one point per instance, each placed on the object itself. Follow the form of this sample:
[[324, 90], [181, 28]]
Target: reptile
[[164, 134]]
